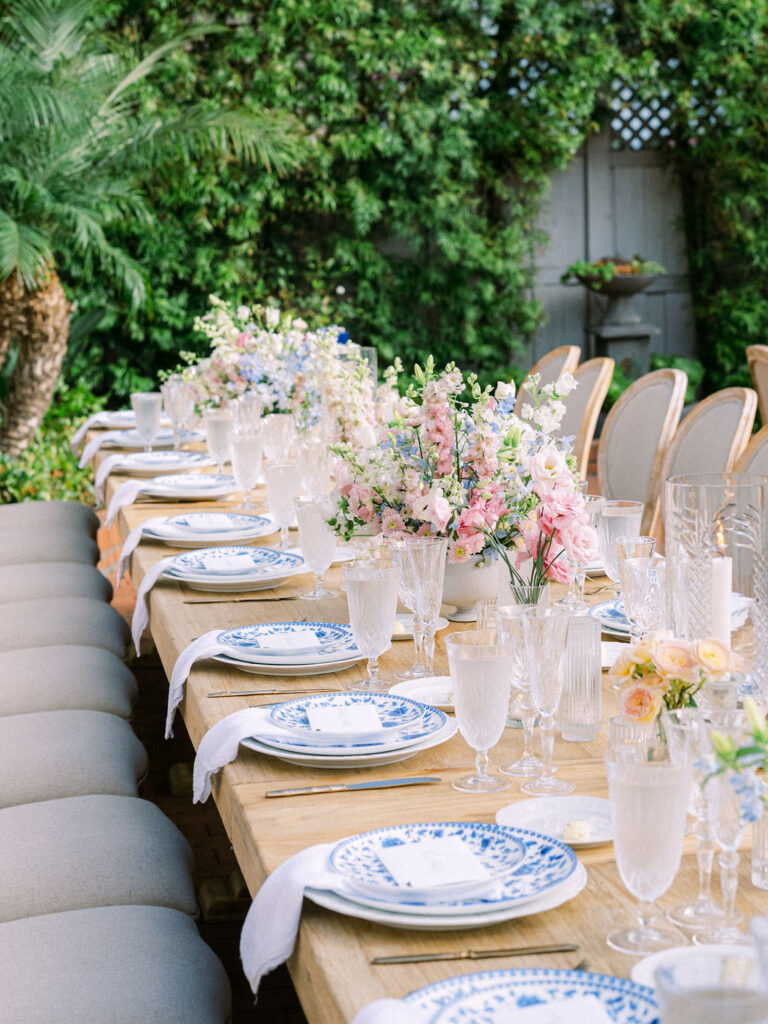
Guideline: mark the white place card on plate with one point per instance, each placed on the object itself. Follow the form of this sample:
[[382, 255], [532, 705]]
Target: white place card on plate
[[431, 862], [295, 640], [229, 563], [212, 521], [576, 1010], [354, 718]]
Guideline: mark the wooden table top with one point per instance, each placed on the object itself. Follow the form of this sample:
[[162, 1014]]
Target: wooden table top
[[331, 966]]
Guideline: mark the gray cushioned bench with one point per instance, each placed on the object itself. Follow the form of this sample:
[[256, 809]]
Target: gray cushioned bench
[[25, 581], [45, 516], [62, 620]]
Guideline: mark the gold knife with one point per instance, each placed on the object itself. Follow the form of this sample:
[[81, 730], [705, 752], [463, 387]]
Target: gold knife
[[341, 787], [476, 954]]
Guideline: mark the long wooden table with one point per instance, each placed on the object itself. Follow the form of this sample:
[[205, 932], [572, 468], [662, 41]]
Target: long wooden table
[[331, 966]]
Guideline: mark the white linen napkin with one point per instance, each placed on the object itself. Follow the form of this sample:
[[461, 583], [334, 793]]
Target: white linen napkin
[[385, 1011], [220, 745], [94, 420], [95, 443], [272, 922], [141, 611], [125, 494], [102, 473], [132, 542], [204, 647]]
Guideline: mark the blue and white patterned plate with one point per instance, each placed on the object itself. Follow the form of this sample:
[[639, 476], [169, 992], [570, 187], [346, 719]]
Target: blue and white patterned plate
[[395, 713], [191, 485], [547, 864], [500, 850], [611, 616], [267, 563], [492, 997], [260, 643], [151, 463], [223, 522], [130, 439], [420, 732]]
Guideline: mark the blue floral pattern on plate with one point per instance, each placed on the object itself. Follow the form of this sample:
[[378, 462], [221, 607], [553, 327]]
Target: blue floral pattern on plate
[[547, 863], [266, 562], [394, 712], [253, 642], [193, 481], [431, 724], [491, 997], [231, 522], [611, 616]]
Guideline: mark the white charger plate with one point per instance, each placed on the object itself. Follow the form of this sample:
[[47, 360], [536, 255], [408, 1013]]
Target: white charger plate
[[333, 642], [164, 461], [550, 815], [353, 760], [318, 669], [167, 533], [130, 439], [643, 971], [434, 690], [190, 486], [555, 897], [404, 626]]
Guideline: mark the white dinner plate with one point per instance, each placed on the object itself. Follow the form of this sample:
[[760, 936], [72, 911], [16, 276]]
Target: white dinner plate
[[260, 643], [554, 897], [130, 439], [353, 760], [190, 486], [434, 690], [166, 461], [550, 815], [318, 669], [643, 971], [404, 626], [249, 527]]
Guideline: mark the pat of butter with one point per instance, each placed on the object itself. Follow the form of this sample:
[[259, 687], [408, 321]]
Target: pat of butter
[[398, 627], [576, 831]]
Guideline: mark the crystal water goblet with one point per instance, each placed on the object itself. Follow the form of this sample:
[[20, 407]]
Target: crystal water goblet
[[408, 599], [545, 630], [283, 486], [683, 727], [648, 788], [372, 587], [481, 677], [317, 540], [178, 403], [724, 813], [219, 428], [147, 408], [248, 408], [279, 432], [574, 601], [425, 557], [316, 466], [617, 519], [246, 464]]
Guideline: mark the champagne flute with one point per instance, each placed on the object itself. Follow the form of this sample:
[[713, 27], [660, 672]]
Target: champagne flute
[[617, 519], [147, 408], [425, 557], [283, 486], [317, 540], [219, 428], [408, 598], [246, 464], [372, 588], [481, 677], [649, 800]]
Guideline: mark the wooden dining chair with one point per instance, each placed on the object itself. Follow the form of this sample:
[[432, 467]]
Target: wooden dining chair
[[754, 458], [550, 367], [635, 437], [709, 440], [757, 360], [582, 407]]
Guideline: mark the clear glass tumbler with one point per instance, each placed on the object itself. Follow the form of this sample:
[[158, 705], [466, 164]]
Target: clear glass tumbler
[[617, 519], [246, 464], [579, 711], [219, 428], [147, 409]]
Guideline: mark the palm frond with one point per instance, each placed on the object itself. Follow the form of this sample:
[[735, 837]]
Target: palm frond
[[50, 30], [23, 250]]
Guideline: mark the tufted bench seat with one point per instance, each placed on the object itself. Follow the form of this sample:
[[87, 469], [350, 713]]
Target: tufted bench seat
[[53, 621]]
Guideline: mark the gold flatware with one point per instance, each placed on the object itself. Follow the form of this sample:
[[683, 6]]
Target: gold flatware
[[341, 787], [476, 954], [259, 693], [230, 599]]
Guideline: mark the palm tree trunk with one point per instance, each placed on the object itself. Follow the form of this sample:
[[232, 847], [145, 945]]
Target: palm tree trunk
[[39, 321]]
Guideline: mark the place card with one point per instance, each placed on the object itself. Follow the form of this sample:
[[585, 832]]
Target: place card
[[295, 640], [610, 651], [228, 563], [353, 718], [211, 522], [433, 861], [576, 1010]]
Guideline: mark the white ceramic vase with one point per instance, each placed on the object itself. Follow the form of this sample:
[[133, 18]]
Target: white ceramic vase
[[465, 584]]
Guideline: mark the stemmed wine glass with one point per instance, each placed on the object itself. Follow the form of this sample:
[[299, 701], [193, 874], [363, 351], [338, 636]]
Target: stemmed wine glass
[[372, 588], [685, 727], [279, 433], [317, 540], [723, 809], [248, 408], [545, 631], [316, 465], [593, 504], [509, 622], [481, 677], [643, 588], [617, 519], [425, 557], [283, 486], [246, 464], [219, 428], [408, 598], [147, 408], [648, 787]]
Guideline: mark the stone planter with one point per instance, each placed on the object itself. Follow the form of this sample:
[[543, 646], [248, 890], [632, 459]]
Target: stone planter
[[465, 583]]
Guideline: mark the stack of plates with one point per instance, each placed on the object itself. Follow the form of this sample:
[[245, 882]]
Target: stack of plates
[[234, 569], [130, 439], [190, 486], [610, 615], [407, 727], [289, 648], [526, 873], [122, 419], [493, 997], [169, 461], [199, 529]]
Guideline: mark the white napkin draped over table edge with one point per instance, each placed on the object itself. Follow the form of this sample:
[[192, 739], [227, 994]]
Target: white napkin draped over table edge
[[95, 444], [204, 647], [94, 420], [132, 542], [141, 611], [100, 477], [125, 494]]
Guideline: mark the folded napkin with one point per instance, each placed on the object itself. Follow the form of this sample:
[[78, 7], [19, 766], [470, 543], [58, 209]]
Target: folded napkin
[[141, 611], [272, 922], [132, 542], [204, 647], [95, 443], [96, 419], [576, 1010], [102, 473], [220, 745], [125, 494]]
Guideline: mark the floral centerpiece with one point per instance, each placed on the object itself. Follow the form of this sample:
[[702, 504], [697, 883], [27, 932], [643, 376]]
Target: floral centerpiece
[[664, 672], [745, 761], [456, 461]]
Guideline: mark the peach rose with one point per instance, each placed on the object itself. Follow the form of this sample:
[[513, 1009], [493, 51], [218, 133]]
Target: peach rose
[[676, 660], [713, 656], [640, 702]]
